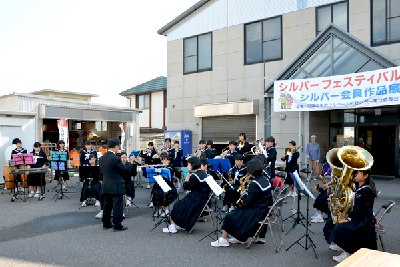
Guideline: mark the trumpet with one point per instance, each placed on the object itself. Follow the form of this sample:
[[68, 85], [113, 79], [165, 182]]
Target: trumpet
[[289, 151], [241, 143], [244, 182]]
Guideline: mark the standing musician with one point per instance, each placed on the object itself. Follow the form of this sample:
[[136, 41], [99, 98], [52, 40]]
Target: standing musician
[[18, 150], [232, 195], [112, 170], [147, 155], [270, 154], [37, 180], [246, 147], [231, 153], [84, 159], [176, 155], [358, 229], [94, 183], [187, 210], [129, 185], [63, 174], [243, 222], [203, 149], [291, 167], [158, 196], [213, 151], [167, 149]]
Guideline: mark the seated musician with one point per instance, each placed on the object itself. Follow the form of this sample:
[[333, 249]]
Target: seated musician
[[231, 153], [321, 203], [187, 210], [158, 196], [246, 147], [213, 151], [18, 150], [358, 229], [274, 182], [129, 185], [37, 179], [243, 222], [291, 167], [91, 185], [203, 149], [232, 195], [147, 155], [205, 166]]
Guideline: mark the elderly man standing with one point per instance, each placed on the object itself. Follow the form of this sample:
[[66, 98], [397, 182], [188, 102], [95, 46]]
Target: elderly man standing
[[313, 154]]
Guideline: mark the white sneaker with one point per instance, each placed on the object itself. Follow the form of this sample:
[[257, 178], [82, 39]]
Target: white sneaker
[[294, 194], [84, 203], [148, 186], [37, 195], [31, 194], [314, 178], [157, 213], [97, 203], [314, 216], [231, 209], [341, 257], [290, 193], [170, 229], [99, 215], [151, 205], [235, 241], [225, 208], [335, 247], [128, 203], [162, 214], [318, 220], [20, 189], [220, 243]]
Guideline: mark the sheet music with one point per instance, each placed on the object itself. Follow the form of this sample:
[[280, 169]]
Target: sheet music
[[162, 183], [302, 186], [214, 186]]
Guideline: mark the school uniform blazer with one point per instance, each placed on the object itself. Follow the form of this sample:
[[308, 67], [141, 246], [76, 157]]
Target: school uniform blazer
[[112, 170]]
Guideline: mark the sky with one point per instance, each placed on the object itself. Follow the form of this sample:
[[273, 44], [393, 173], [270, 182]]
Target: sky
[[87, 46]]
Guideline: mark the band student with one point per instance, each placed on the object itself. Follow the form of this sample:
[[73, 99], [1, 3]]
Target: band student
[[37, 179], [243, 222], [18, 150], [167, 149], [270, 154], [112, 170], [321, 203], [187, 210], [147, 155], [231, 152], [358, 230], [129, 186], [94, 184], [176, 155], [63, 174], [84, 159], [203, 149], [232, 195], [158, 197], [291, 167], [246, 147], [213, 151]]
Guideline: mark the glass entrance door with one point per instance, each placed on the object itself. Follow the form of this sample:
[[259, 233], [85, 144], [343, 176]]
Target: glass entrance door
[[380, 142]]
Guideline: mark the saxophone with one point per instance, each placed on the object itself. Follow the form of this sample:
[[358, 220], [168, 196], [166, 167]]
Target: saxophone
[[324, 181], [229, 178], [344, 162], [244, 182]]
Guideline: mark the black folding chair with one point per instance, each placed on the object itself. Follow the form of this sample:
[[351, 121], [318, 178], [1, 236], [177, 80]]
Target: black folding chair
[[379, 229]]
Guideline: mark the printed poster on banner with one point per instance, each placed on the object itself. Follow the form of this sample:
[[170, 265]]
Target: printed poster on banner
[[357, 90], [63, 131]]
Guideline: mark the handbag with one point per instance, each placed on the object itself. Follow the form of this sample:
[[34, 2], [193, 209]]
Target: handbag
[[317, 170]]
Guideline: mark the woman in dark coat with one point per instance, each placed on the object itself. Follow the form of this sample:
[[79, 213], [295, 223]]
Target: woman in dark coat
[[291, 167], [37, 180], [358, 230], [243, 222], [186, 211]]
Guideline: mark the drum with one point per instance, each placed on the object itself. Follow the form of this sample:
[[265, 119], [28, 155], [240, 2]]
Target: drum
[[8, 178], [24, 177]]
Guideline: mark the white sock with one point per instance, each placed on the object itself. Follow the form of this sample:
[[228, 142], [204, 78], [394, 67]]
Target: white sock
[[37, 192], [32, 192], [173, 226], [129, 198], [166, 211], [319, 215]]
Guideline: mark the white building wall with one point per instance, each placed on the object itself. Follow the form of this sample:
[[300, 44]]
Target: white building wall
[[144, 118], [219, 14], [157, 105]]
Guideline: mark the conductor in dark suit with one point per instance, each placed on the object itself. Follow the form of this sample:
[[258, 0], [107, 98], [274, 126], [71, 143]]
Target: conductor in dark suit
[[113, 188]]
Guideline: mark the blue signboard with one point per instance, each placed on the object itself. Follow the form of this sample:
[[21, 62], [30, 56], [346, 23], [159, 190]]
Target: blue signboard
[[184, 138]]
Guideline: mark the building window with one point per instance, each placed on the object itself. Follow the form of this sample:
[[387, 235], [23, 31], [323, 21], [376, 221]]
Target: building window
[[143, 101], [336, 13], [385, 21], [263, 40], [197, 53]]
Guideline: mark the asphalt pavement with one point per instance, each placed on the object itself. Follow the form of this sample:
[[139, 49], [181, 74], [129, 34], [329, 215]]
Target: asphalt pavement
[[57, 233]]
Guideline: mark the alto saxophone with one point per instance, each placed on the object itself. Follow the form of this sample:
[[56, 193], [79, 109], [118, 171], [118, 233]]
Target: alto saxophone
[[324, 181], [244, 182], [229, 178]]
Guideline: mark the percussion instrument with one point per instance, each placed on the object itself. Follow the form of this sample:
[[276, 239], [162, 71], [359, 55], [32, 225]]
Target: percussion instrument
[[8, 178], [24, 177]]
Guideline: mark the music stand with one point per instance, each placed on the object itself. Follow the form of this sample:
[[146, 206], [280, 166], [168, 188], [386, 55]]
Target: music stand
[[58, 163], [222, 165], [89, 173], [165, 188], [23, 159], [217, 190], [301, 187]]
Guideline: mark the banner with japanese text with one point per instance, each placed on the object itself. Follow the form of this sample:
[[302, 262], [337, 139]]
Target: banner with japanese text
[[357, 90], [63, 131]]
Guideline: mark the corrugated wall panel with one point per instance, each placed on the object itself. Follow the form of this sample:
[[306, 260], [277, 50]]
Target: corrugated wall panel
[[226, 128]]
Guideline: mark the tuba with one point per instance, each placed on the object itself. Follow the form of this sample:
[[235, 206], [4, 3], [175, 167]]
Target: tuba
[[344, 162]]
